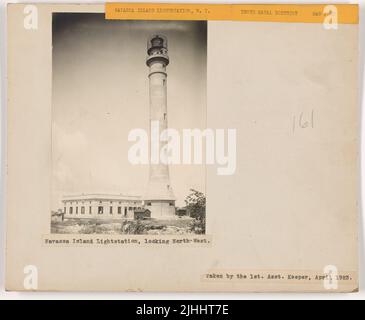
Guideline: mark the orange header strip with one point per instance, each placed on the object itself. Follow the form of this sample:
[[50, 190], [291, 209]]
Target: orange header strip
[[300, 13]]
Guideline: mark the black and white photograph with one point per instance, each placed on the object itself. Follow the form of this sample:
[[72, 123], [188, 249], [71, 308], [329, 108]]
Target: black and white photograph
[[114, 83]]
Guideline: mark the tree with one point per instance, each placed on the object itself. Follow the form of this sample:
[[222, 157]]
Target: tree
[[195, 206]]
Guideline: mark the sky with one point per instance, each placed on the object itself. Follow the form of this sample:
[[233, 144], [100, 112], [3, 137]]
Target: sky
[[100, 93]]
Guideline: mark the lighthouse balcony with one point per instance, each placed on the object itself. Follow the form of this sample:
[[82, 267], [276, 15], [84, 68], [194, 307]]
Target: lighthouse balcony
[[157, 57]]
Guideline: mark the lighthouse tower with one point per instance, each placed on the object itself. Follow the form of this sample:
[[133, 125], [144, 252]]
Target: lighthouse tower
[[159, 197]]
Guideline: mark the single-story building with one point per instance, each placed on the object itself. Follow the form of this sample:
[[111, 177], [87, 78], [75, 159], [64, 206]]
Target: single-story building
[[142, 214], [100, 206]]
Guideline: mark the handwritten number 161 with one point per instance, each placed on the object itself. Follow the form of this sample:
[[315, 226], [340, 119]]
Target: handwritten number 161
[[303, 121]]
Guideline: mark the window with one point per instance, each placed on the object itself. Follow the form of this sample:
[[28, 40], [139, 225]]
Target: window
[[90, 210], [64, 209], [125, 211], [70, 210], [77, 210], [111, 210], [171, 203], [148, 204], [130, 208], [119, 210], [100, 210], [82, 210]]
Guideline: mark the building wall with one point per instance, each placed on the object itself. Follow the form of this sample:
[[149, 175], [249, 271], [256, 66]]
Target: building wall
[[161, 209], [91, 208]]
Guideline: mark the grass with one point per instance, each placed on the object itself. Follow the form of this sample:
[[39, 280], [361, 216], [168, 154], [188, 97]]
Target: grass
[[123, 226]]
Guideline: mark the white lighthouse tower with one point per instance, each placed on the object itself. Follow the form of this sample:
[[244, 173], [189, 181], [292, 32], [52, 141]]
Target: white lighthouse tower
[[159, 197]]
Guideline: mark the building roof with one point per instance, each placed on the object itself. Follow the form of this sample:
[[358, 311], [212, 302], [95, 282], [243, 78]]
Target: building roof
[[99, 196]]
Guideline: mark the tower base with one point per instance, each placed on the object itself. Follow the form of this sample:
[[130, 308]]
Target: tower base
[[161, 209]]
